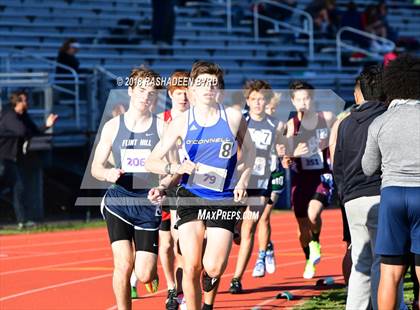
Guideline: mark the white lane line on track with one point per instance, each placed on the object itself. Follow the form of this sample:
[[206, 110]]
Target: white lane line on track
[[55, 265], [54, 286], [65, 233], [248, 270], [52, 243], [90, 250], [24, 293], [56, 253]]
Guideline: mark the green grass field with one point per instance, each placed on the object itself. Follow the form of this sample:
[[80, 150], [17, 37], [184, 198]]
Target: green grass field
[[336, 298], [56, 226]]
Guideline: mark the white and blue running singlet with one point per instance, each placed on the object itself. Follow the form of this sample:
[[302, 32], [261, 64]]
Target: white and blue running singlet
[[263, 134], [130, 151], [214, 149], [127, 199]]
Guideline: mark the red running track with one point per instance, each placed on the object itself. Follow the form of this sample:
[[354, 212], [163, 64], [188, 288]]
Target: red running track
[[73, 270]]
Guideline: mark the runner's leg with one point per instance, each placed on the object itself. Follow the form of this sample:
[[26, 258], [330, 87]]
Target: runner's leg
[[123, 265], [247, 240], [216, 254], [314, 215], [191, 236], [166, 254]]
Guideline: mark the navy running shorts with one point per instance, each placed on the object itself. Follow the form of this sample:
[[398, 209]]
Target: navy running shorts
[[399, 221]]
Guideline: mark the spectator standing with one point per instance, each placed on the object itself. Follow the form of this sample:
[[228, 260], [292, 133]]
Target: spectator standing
[[360, 194], [393, 146], [163, 23], [67, 56], [16, 129]]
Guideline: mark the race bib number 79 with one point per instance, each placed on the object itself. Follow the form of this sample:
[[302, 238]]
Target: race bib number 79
[[133, 160], [210, 177]]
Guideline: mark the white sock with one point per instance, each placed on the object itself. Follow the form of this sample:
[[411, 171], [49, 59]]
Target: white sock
[[133, 280]]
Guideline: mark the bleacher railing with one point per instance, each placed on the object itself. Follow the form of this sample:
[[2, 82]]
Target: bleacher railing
[[72, 74], [36, 80], [227, 4], [307, 28], [340, 44]]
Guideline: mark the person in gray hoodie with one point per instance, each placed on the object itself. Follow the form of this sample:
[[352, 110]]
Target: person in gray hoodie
[[393, 145]]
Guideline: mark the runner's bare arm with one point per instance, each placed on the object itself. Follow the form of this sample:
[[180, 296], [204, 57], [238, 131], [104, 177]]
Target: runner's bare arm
[[248, 149], [289, 138], [102, 153], [330, 118], [281, 140], [156, 163], [333, 138]]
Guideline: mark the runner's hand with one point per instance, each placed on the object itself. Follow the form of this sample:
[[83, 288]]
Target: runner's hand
[[186, 167], [156, 195], [281, 150], [286, 162], [113, 174], [239, 194], [301, 149]]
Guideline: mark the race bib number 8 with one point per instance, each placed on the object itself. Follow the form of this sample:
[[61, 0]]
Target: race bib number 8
[[226, 150], [314, 162], [210, 177], [133, 160]]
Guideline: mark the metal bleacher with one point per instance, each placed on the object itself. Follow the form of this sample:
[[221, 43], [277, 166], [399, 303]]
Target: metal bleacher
[[38, 27]]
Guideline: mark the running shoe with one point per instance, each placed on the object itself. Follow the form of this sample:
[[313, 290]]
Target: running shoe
[[270, 262], [134, 294], [259, 269], [171, 300], [315, 252], [208, 283], [182, 302], [235, 286], [309, 270], [153, 286]]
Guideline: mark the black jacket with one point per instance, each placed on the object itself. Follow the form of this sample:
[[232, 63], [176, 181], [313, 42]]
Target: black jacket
[[350, 147], [68, 60], [15, 129]]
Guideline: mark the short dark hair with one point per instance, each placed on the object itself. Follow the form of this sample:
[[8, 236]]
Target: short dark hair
[[258, 85], [151, 77], [15, 97], [370, 83], [401, 78], [67, 44], [300, 85], [206, 67]]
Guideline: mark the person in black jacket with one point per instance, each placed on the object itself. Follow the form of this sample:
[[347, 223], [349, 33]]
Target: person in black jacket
[[16, 128], [359, 193], [67, 56]]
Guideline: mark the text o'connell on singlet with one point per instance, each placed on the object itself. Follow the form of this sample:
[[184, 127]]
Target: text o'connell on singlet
[[263, 134], [317, 140], [130, 151], [213, 148]]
